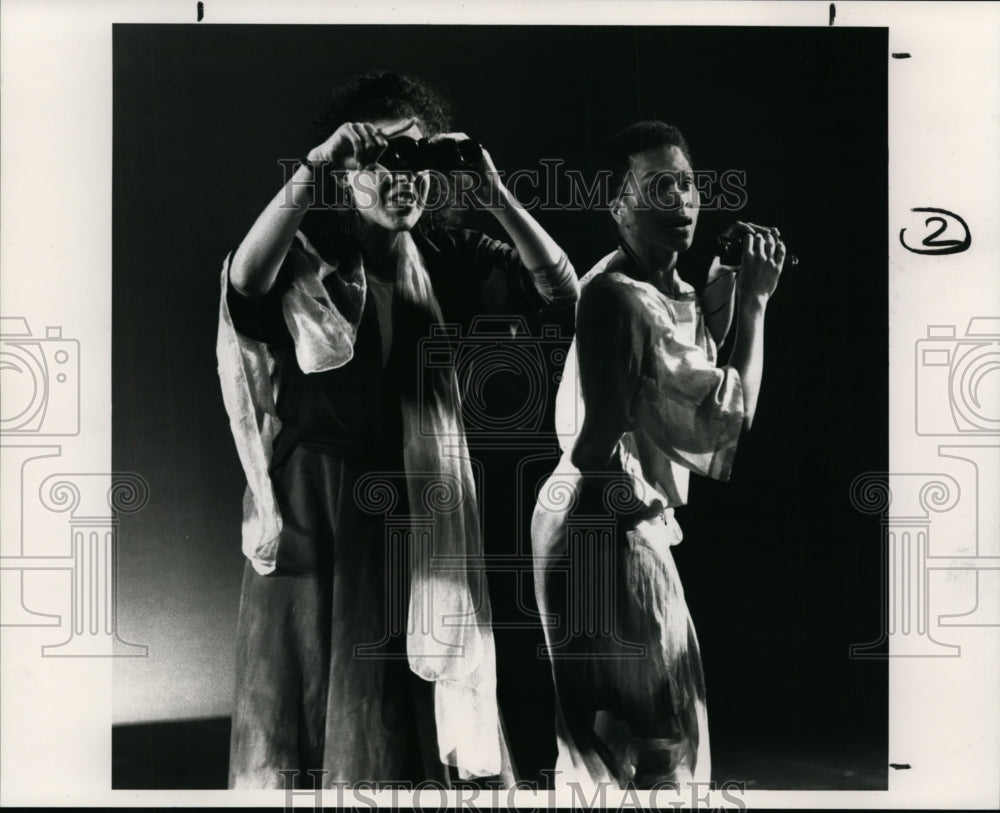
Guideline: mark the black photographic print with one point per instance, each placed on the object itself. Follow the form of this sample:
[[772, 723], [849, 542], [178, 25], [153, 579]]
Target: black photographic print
[[481, 410], [781, 574]]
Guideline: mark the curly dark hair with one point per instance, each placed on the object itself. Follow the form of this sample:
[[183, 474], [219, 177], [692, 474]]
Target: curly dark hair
[[383, 95], [636, 138], [376, 96]]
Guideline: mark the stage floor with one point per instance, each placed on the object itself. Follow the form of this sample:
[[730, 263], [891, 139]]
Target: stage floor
[[194, 754]]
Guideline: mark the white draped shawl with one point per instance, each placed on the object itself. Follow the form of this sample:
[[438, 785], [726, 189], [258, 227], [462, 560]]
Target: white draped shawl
[[449, 637]]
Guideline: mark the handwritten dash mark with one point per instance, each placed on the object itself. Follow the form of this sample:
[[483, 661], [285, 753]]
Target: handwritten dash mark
[[899, 766], [833, 13], [901, 55], [201, 11]]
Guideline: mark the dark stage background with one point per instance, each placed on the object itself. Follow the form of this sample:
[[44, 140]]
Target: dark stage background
[[781, 575]]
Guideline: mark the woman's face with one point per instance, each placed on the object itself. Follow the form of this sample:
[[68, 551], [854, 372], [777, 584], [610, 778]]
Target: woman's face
[[389, 200], [659, 202]]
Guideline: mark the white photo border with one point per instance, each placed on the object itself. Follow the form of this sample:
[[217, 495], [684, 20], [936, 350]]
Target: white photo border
[[944, 153]]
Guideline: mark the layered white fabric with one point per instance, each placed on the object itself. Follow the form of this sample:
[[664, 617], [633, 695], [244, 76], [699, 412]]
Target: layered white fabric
[[687, 412], [449, 638], [684, 414]]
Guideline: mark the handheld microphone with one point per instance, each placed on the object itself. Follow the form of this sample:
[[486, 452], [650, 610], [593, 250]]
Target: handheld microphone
[[730, 250]]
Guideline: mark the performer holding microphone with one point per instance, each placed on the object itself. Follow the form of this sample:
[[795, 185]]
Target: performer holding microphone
[[643, 402]]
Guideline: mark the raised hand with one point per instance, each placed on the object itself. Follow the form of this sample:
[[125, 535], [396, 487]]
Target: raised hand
[[354, 145], [483, 166], [760, 268]]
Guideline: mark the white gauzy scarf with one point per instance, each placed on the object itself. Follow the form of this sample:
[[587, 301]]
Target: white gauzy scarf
[[449, 634]]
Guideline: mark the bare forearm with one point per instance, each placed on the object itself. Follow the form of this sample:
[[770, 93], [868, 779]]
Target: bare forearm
[[553, 275], [536, 247], [763, 257], [256, 262], [717, 302], [719, 312], [748, 354]]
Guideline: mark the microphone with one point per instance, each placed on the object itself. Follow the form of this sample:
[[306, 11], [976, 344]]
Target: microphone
[[730, 251]]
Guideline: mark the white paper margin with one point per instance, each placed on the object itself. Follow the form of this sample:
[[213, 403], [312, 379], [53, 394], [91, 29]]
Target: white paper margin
[[55, 269]]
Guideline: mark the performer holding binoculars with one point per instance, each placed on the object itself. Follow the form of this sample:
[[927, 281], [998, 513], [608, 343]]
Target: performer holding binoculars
[[321, 318]]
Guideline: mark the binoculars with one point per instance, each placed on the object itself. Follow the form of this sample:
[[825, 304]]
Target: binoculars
[[411, 155]]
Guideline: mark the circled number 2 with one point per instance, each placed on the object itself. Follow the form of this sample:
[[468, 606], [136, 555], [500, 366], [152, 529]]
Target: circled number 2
[[932, 242]]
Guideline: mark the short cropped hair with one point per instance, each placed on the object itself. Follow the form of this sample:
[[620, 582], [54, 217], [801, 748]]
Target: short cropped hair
[[634, 139]]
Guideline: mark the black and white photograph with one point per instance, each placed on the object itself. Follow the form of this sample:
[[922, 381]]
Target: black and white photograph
[[590, 408]]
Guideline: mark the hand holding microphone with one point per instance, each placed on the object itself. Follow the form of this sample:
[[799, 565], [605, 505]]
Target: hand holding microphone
[[729, 245]]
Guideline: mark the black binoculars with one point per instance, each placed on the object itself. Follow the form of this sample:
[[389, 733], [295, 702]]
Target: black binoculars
[[408, 154]]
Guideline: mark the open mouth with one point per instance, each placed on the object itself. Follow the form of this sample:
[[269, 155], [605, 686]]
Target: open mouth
[[678, 223], [402, 200]]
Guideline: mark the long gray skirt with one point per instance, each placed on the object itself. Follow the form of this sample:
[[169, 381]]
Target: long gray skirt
[[322, 680]]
